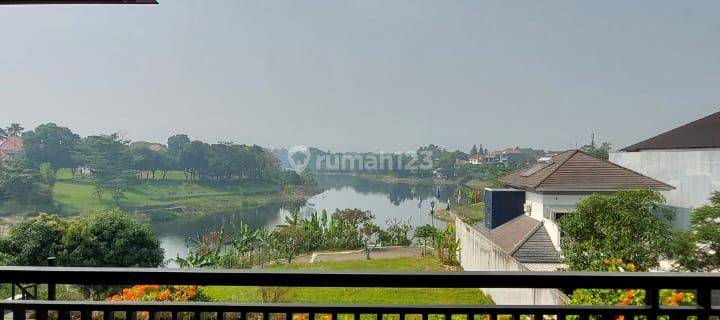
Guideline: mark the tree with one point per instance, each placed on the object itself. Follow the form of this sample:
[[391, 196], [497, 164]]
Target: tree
[[109, 160], [110, 239], [193, 159], [14, 129], [176, 143], [699, 248], [600, 152], [425, 234], [473, 150], [3, 134], [369, 232], [23, 184], [47, 175], [52, 144], [146, 159], [627, 225], [288, 239], [32, 241]]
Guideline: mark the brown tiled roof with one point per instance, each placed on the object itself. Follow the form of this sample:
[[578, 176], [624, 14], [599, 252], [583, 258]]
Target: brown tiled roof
[[702, 133], [574, 170], [524, 238], [511, 234]]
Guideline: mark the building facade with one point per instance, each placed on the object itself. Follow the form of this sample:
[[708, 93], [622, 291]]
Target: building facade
[[688, 157]]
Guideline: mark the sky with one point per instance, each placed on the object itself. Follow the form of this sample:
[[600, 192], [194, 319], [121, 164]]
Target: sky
[[364, 75]]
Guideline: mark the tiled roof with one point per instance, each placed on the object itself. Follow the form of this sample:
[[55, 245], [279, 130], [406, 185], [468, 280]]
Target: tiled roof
[[524, 238], [538, 248], [12, 143], [701, 133], [574, 170]]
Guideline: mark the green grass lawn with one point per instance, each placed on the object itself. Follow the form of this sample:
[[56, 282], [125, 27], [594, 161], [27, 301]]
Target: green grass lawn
[[472, 214], [361, 295], [77, 196]]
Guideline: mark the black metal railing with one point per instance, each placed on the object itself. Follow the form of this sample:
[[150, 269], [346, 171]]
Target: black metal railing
[[701, 283]]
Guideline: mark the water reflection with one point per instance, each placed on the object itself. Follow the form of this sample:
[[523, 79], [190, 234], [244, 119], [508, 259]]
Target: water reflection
[[386, 201]]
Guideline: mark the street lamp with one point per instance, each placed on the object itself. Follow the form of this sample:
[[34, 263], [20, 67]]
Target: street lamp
[[432, 213]]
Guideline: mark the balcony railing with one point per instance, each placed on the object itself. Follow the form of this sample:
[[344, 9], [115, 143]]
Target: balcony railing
[[701, 283]]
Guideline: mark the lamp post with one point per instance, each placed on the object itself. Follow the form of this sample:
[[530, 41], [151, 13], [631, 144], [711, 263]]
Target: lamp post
[[432, 213]]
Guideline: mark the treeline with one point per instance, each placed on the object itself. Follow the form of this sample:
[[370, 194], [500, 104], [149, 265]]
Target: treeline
[[113, 164]]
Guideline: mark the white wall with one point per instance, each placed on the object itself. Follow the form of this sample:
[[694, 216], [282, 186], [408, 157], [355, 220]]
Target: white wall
[[539, 211], [478, 253], [695, 173]]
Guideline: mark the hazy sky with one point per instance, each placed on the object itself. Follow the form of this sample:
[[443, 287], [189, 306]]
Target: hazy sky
[[364, 75]]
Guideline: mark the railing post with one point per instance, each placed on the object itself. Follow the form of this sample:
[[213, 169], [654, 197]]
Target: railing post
[[51, 286], [704, 301], [652, 300]]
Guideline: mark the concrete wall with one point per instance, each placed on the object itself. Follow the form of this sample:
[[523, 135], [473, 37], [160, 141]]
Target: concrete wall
[[478, 253], [538, 210], [695, 173]]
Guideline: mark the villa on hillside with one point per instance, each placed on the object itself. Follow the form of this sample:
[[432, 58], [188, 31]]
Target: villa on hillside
[[10, 148], [688, 157]]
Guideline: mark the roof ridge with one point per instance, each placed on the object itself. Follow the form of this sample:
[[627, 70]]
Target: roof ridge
[[560, 164], [526, 237]]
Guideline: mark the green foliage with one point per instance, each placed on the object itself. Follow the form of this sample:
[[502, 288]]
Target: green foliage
[[107, 239], [447, 246], [110, 239], [601, 152], [47, 174], [32, 241], [22, 184], [109, 160], [51, 144], [396, 233], [246, 246], [14, 129], [176, 143], [622, 225], [699, 248]]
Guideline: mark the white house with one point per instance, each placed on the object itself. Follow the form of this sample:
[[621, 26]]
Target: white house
[[555, 187], [688, 157]]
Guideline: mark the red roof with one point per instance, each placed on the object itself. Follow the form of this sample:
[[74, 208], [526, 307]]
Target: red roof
[[11, 144], [574, 170]]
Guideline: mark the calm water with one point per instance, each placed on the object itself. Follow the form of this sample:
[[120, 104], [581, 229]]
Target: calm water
[[385, 201]]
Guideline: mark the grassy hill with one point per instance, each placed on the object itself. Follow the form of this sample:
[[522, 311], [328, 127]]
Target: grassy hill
[[76, 195]]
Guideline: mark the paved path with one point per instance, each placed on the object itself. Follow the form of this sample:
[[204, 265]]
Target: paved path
[[377, 253]]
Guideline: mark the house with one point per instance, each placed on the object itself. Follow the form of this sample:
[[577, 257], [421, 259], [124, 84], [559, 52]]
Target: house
[[554, 188], [10, 147], [687, 157]]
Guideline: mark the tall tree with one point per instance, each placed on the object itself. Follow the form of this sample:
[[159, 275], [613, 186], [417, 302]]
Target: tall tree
[[109, 160], [52, 144], [473, 150], [176, 143], [193, 159], [15, 129], [627, 225]]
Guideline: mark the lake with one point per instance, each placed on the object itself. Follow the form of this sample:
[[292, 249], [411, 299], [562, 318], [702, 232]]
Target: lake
[[410, 203]]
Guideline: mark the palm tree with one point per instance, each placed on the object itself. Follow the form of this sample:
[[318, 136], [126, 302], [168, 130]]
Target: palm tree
[[15, 129]]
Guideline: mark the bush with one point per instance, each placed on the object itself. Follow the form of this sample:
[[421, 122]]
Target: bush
[[110, 239], [32, 241]]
